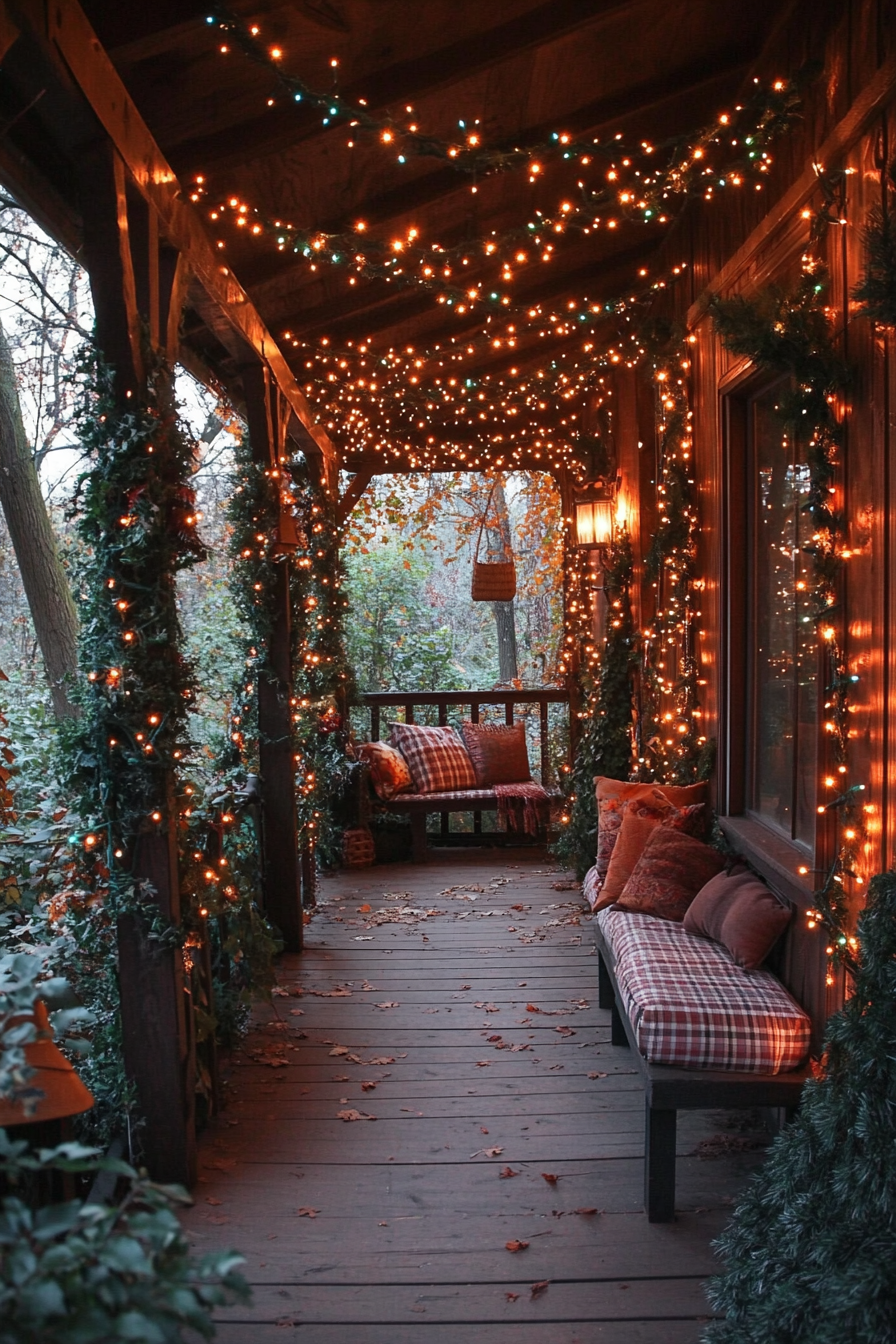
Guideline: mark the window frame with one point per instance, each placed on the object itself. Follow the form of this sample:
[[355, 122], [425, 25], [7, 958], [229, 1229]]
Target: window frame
[[778, 857]]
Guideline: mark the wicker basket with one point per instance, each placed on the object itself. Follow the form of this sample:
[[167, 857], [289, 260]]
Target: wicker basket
[[357, 847], [494, 582]]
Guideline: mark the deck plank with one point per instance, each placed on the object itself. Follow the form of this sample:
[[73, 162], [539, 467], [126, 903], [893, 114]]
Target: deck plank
[[407, 1242]]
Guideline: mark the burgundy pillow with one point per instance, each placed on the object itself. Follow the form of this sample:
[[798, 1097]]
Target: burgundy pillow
[[670, 872], [739, 911], [498, 752]]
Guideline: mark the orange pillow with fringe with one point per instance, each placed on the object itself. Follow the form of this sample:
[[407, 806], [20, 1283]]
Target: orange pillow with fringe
[[389, 773]]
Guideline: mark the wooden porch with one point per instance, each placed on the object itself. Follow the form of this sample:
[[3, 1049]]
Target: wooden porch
[[395, 1229]]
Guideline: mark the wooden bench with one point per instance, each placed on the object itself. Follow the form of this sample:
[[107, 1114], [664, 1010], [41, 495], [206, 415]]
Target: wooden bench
[[420, 806], [670, 1088]]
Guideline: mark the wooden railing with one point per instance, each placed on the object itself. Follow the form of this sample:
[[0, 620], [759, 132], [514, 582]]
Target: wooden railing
[[411, 701]]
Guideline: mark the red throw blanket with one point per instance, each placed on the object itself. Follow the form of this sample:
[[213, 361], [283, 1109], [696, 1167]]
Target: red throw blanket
[[522, 807]]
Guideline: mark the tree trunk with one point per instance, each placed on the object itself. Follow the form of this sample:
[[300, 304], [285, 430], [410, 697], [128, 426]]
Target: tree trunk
[[34, 542], [500, 547]]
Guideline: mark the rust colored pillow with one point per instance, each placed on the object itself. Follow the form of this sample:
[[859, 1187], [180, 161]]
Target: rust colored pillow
[[389, 773], [681, 795], [670, 872], [498, 752], [739, 911], [640, 818]]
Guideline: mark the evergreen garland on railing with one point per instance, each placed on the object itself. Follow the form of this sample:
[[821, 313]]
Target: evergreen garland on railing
[[788, 332], [605, 747]]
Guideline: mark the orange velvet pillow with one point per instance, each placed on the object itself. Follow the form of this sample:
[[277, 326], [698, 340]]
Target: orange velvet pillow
[[670, 872], [640, 818], [389, 773]]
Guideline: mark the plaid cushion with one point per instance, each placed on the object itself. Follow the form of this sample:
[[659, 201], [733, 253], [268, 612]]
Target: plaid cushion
[[692, 1005], [474, 798], [436, 757], [591, 886]]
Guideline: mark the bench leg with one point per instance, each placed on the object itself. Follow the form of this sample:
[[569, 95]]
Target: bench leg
[[659, 1165], [617, 1030], [605, 996], [418, 837]]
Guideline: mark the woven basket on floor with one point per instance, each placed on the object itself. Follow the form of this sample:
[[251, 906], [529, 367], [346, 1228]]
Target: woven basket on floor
[[357, 847]]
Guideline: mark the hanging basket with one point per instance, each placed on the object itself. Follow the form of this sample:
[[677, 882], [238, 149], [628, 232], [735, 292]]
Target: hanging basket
[[492, 581]]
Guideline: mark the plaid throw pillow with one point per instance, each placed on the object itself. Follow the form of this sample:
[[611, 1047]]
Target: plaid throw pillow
[[436, 757]]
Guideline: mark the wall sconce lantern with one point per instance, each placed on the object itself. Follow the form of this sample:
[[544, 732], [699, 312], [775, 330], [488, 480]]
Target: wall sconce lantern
[[595, 518]]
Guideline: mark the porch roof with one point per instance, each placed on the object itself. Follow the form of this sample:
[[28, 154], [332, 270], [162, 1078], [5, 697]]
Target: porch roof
[[645, 68]]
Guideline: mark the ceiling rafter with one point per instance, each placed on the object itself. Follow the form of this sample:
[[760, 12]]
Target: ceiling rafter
[[406, 80]]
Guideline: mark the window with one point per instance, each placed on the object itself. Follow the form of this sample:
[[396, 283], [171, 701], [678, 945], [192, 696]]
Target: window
[[782, 747]]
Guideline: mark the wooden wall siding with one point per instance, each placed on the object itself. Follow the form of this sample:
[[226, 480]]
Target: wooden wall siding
[[857, 83]]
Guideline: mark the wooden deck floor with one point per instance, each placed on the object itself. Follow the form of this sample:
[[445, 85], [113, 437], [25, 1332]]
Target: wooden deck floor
[[494, 1111]]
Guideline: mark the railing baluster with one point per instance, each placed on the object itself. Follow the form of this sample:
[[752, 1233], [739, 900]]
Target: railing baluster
[[545, 751]]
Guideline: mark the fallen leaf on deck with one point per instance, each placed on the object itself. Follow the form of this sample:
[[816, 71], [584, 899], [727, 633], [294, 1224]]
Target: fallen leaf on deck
[[586, 1213], [482, 1129], [297, 1012], [566, 886], [482, 1063], [538, 1288], [363, 909], [382, 1059], [272, 1236], [364, 938], [368, 986], [517, 907], [339, 1050], [487, 1152], [555, 1067], [598, 1075], [466, 986], [382, 1224], [353, 1115], [388, 1004], [368, 1086], [307, 1212], [550, 1177], [488, 1007], [278, 992], [506, 1172], [532, 1008], [565, 1031], [514, 1246], [511, 1297], [210, 1199]]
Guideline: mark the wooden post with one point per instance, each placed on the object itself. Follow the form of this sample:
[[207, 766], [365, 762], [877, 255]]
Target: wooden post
[[156, 1042], [281, 867]]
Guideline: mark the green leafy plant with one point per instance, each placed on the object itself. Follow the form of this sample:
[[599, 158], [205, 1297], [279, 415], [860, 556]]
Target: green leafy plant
[[876, 291], [809, 1252]]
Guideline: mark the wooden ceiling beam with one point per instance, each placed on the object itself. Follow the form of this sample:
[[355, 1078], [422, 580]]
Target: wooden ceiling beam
[[399, 83], [65, 28]]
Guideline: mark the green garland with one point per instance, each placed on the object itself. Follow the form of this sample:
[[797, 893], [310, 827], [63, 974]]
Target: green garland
[[135, 517], [876, 292], [788, 332], [605, 747], [673, 749], [321, 679]]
